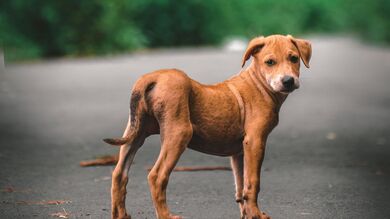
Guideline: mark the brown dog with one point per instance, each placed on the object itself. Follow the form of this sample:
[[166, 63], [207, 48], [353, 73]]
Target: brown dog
[[232, 118]]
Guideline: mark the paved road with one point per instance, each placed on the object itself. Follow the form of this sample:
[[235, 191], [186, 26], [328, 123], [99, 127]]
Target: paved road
[[328, 158]]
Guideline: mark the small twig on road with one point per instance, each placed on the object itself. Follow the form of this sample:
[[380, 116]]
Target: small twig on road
[[11, 189], [198, 168], [50, 202]]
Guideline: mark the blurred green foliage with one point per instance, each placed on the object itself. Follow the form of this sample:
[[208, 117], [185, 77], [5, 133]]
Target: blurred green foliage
[[46, 28]]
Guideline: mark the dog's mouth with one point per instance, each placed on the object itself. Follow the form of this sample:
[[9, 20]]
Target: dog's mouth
[[287, 91], [283, 90]]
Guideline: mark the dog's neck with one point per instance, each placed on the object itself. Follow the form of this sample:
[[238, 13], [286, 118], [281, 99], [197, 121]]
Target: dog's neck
[[274, 98]]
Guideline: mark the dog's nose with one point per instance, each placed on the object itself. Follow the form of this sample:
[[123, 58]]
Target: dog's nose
[[288, 82]]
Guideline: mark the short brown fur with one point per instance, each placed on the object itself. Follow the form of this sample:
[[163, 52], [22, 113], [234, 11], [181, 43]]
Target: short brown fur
[[231, 118]]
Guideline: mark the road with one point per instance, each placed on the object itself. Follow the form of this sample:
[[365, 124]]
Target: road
[[328, 158]]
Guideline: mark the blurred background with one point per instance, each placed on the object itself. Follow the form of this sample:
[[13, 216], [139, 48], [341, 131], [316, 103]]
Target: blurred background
[[69, 67], [45, 28]]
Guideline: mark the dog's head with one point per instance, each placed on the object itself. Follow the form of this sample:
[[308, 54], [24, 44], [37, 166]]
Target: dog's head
[[277, 59]]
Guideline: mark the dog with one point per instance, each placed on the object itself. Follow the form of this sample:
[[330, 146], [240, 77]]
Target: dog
[[232, 118]]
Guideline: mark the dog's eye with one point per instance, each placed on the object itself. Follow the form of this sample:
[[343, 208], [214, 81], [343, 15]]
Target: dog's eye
[[294, 59], [270, 62]]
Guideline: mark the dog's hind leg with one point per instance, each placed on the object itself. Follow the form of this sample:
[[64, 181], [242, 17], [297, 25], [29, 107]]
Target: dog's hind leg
[[237, 163], [120, 174], [175, 139], [171, 150]]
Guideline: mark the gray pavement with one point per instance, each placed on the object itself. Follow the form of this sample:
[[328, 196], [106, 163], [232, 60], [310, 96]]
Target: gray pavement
[[328, 158]]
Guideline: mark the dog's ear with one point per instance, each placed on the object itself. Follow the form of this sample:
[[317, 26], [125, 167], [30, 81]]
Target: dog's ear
[[304, 49], [254, 47]]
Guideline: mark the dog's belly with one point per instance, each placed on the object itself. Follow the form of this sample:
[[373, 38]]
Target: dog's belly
[[215, 119], [222, 137], [219, 148]]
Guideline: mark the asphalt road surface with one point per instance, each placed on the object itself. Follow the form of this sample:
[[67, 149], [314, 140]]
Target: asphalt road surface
[[328, 158]]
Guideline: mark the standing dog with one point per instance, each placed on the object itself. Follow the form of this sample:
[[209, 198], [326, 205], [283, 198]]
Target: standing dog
[[232, 118]]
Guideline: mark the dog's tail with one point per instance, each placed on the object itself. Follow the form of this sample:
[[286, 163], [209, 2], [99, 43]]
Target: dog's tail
[[130, 134], [116, 141], [137, 112]]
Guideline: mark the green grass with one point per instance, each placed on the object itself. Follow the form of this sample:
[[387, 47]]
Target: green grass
[[45, 28]]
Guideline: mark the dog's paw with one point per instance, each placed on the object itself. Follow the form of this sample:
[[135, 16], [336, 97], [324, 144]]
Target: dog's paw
[[255, 213], [122, 217], [262, 215], [175, 217]]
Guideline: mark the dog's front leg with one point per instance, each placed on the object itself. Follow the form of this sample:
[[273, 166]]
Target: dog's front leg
[[254, 148]]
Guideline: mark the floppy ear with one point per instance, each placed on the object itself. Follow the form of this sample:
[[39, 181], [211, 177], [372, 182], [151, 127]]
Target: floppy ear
[[254, 47], [304, 49]]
